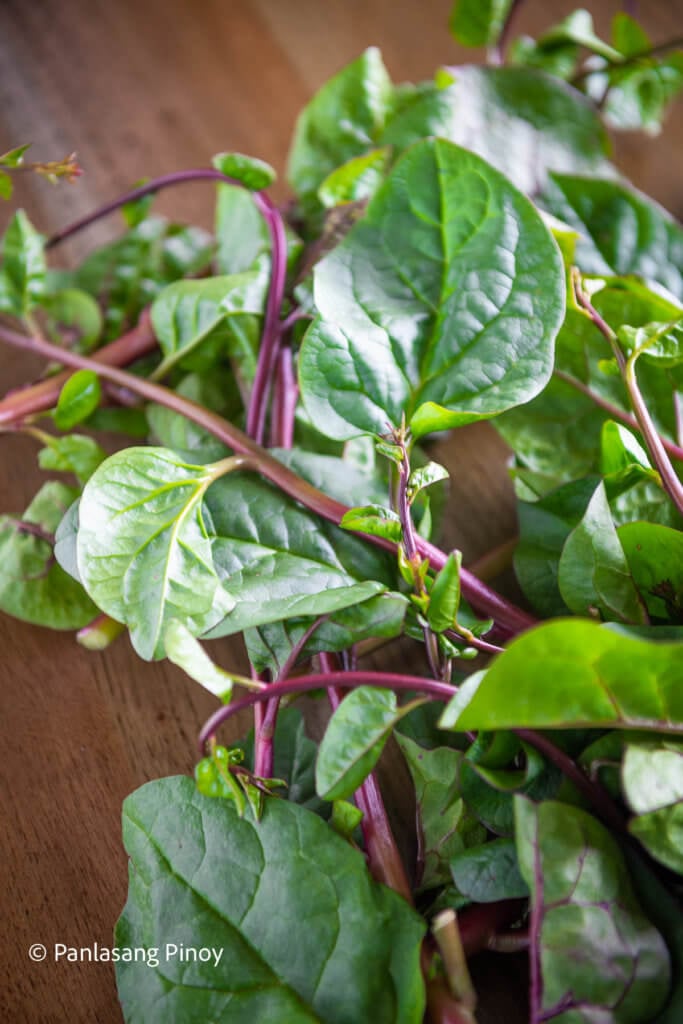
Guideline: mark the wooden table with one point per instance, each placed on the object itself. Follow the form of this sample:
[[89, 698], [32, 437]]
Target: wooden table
[[139, 89]]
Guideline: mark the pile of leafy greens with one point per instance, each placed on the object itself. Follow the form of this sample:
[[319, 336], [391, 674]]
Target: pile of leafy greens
[[457, 250]]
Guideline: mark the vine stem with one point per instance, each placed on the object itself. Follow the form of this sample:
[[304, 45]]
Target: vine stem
[[508, 616], [670, 482], [324, 680], [618, 65], [615, 412]]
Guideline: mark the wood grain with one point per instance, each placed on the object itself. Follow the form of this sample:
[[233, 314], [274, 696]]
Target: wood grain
[[138, 89]]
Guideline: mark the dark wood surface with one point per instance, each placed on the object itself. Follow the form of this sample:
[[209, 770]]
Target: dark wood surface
[[138, 89]]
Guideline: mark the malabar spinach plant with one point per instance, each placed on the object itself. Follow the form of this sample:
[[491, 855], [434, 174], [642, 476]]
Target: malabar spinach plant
[[457, 250]]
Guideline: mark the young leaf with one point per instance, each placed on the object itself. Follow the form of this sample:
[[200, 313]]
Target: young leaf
[[253, 173], [346, 818], [281, 561], [596, 952], [144, 550], [425, 476], [478, 22], [376, 520], [342, 120], [593, 573], [74, 315], [290, 905], [74, 453], [184, 650], [394, 336], [652, 774], [22, 275], [354, 741], [356, 180], [445, 825], [444, 597], [605, 213], [488, 873], [14, 157], [79, 397], [198, 322], [33, 587], [655, 559], [660, 342], [600, 680], [6, 189]]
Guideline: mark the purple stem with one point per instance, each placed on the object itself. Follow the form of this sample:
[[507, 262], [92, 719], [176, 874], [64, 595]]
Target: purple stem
[[509, 618], [323, 680], [284, 400]]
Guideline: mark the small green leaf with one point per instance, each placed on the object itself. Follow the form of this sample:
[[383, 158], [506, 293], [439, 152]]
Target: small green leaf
[[655, 559], [23, 267], [144, 550], [597, 953], [425, 476], [376, 520], [622, 459], [354, 740], [446, 826], [444, 597], [489, 873], [253, 173], [73, 453], [184, 650], [79, 397], [14, 157], [600, 680], [660, 342], [6, 185], [33, 586], [289, 907], [356, 180], [478, 22], [73, 316], [593, 573], [346, 818], [138, 210]]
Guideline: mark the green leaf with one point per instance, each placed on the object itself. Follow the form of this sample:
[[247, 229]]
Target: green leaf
[[74, 453], [281, 561], [478, 22], [376, 520], [126, 275], [444, 597], [655, 558], [600, 680], [293, 760], [184, 650], [425, 476], [489, 872], [6, 185], [290, 904], [144, 547], [79, 397], [346, 818], [33, 586], [395, 335], [342, 121], [354, 741], [549, 125], [382, 617], [445, 825], [197, 322], [356, 180], [600, 958], [621, 231], [22, 276], [73, 315], [660, 342], [593, 573], [623, 461], [253, 173], [14, 157], [544, 526]]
